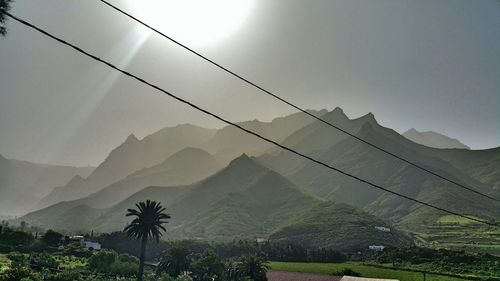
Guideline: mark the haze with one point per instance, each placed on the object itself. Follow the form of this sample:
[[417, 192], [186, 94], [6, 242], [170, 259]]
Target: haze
[[429, 65]]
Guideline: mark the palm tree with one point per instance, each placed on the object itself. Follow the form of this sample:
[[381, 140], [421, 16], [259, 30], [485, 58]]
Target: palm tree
[[175, 261], [146, 226], [4, 7], [253, 266]]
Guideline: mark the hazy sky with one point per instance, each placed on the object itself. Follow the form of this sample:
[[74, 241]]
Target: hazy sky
[[429, 65]]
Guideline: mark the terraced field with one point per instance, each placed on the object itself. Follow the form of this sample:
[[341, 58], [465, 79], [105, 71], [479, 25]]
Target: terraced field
[[4, 262], [456, 233]]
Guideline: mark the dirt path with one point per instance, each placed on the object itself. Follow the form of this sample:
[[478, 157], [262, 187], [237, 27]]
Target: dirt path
[[297, 276]]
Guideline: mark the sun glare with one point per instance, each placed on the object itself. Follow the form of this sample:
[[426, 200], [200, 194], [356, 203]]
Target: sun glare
[[194, 22]]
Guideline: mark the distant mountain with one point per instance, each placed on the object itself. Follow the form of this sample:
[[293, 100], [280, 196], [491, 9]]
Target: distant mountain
[[129, 157], [368, 163], [278, 194], [184, 167], [433, 139], [229, 142], [23, 183], [135, 154], [272, 207], [244, 199]]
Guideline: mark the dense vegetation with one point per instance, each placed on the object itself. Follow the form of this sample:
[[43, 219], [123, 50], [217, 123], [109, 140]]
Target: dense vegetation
[[45, 258]]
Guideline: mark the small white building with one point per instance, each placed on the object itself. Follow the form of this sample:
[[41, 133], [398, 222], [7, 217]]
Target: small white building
[[382, 228], [92, 245], [378, 248]]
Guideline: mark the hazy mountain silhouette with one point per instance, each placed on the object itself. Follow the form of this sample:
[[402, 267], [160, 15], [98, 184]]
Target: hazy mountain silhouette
[[229, 142], [184, 167], [368, 163], [129, 157], [23, 183], [247, 195], [135, 154], [242, 200], [433, 139]]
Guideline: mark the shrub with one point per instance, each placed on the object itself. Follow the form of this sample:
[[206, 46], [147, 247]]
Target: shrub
[[52, 238], [102, 260], [346, 271], [18, 273], [43, 260], [124, 268], [17, 259], [67, 275]]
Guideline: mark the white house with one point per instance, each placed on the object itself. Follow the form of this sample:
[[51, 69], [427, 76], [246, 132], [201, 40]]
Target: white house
[[92, 245], [382, 228], [376, 248]]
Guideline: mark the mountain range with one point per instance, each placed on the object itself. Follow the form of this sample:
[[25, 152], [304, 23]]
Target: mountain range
[[433, 139], [224, 184], [23, 184]]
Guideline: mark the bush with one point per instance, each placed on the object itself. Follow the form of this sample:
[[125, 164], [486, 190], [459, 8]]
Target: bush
[[67, 275], [102, 260], [52, 238], [18, 240], [18, 273], [124, 268], [346, 271], [17, 259], [43, 260], [128, 258]]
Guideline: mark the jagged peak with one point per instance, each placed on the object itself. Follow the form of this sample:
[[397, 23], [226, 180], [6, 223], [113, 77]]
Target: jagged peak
[[131, 138], [338, 110], [368, 118], [243, 159], [337, 114], [75, 179]]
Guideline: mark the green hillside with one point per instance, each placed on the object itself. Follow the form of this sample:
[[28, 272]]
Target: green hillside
[[273, 207], [361, 160]]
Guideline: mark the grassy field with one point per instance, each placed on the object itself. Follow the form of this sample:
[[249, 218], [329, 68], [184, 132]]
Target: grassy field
[[4, 262], [452, 232], [365, 271], [452, 219]]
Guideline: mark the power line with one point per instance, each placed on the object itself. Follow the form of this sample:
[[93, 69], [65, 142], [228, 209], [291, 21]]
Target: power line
[[238, 126], [294, 105]]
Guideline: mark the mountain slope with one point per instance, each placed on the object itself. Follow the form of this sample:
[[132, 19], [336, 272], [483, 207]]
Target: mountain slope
[[356, 158], [433, 139], [129, 157], [246, 199], [184, 167], [273, 207], [23, 183], [229, 142]]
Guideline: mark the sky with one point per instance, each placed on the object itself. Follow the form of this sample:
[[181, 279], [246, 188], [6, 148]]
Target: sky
[[428, 65]]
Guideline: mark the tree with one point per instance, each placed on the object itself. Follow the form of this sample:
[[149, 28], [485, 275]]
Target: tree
[[207, 267], [52, 238], [174, 261], [147, 224], [4, 7], [253, 266], [15, 240], [102, 260]]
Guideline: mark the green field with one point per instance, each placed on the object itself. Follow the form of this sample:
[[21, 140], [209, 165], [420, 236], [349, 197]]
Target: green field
[[364, 270], [454, 233], [452, 219], [4, 262]]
